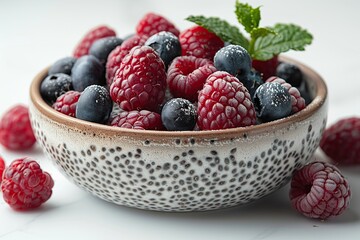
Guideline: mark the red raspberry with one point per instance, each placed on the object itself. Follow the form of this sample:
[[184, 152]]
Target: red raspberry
[[152, 23], [25, 185], [143, 120], [224, 102], [116, 55], [297, 101], [199, 42], [341, 141], [140, 81], [15, 129], [319, 190], [186, 76], [94, 34], [266, 68], [66, 103], [2, 167]]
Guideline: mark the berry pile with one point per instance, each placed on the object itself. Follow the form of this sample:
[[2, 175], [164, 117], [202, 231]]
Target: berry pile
[[165, 79]]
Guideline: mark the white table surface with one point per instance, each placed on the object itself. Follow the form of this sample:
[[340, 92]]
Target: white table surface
[[33, 34]]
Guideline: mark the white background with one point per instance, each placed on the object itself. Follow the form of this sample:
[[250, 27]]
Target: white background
[[33, 34]]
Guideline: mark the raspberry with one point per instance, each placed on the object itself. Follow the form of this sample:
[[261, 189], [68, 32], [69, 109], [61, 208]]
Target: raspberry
[[187, 74], [152, 23], [115, 56], [66, 103], [319, 190], [140, 81], [143, 120], [297, 101], [15, 129], [224, 102], [25, 185], [199, 42], [266, 68], [2, 167], [341, 141], [94, 34]]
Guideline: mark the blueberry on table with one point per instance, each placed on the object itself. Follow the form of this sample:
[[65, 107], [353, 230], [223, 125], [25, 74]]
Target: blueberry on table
[[62, 65], [55, 85], [94, 104], [290, 73], [272, 101], [179, 114], [102, 47], [166, 44], [87, 71], [233, 59]]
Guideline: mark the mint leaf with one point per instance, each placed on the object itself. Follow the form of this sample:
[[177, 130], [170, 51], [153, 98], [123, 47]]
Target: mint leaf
[[287, 37], [222, 29], [261, 32], [248, 16]]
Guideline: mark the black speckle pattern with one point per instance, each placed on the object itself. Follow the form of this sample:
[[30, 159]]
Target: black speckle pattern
[[193, 177]]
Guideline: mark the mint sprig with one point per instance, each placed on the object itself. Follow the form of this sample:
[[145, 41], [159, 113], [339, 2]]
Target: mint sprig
[[263, 43]]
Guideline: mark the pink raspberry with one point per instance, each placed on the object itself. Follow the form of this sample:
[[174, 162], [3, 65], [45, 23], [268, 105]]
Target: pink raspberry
[[94, 34], [153, 23], [186, 76], [116, 55], [143, 120], [2, 167], [224, 102], [199, 42], [15, 129], [297, 101], [25, 185], [140, 82], [66, 103], [319, 190]]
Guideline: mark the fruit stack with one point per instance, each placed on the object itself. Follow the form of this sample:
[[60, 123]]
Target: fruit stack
[[207, 77]]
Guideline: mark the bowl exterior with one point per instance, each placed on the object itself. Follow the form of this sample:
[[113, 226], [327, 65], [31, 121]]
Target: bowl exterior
[[179, 173]]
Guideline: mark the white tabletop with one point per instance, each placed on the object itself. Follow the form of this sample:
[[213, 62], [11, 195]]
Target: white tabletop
[[33, 34]]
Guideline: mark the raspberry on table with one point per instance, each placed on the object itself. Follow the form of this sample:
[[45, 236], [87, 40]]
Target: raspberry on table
[[116, 55], [140, 82], [341, 141], [199, 42], [25, 185], [224, 102], [90, 37], [152, 23], [186, 76], [319, 190], [297, 101], [15, 129], [2, 167], [142, 120], [66, 103]]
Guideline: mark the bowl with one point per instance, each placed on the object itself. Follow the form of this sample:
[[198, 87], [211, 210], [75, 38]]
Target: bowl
[[185, 170]]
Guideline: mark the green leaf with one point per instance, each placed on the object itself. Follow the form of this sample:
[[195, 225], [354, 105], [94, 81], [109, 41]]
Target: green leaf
[[248, 16], [261, 32], [287, 37], [222, 29]]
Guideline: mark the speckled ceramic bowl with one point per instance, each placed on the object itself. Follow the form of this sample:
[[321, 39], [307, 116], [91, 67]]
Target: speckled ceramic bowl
[[180, 171]]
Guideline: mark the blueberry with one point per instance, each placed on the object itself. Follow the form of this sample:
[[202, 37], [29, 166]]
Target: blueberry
[[87, 71], [63, 65], [252, 81], [55, 85], [290, 73], [94, 104], [102, 47], [233, 59], [178, 114], [272, 101], [166, 44]]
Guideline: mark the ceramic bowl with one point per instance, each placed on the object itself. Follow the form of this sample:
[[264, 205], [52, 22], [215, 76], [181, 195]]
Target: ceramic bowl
[[185, 170]]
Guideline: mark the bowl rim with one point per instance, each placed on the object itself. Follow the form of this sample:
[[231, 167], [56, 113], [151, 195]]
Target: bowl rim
[[82, 125]]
